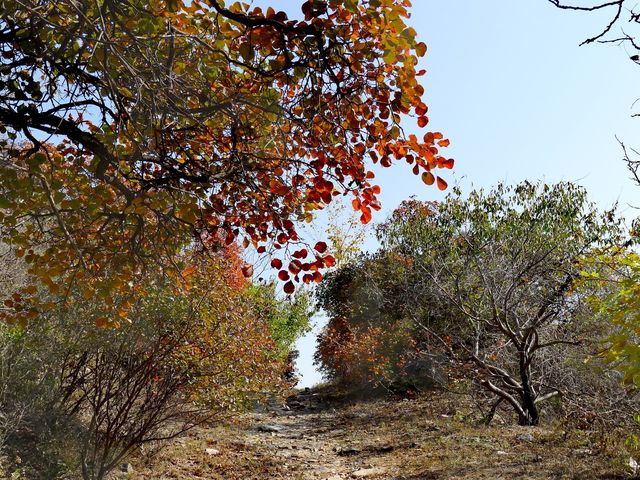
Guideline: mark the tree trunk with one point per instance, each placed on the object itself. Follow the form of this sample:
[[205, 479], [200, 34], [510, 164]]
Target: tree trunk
[[528, 404], [531, 418]]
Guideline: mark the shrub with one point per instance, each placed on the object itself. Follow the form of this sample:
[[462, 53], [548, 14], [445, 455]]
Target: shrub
[[179, 357]]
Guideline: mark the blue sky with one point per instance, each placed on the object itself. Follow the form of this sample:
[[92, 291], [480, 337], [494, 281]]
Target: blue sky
[[508, 84]]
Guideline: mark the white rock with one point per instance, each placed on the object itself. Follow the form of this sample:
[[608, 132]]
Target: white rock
[[212, 451], [526, 437], [367, 472]]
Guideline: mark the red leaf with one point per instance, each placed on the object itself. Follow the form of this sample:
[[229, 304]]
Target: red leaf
[[247, 270], [283, 275], [320, 247], [422, 121], [295, 267], [421, 109], [276, 263], [289, 288], [300, 253], [448, 163], [442, 185], [307, 9]]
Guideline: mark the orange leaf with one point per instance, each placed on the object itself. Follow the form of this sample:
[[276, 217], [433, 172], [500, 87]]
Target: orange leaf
[[329, 261], [422, 121], [428, 178], [442, 185]]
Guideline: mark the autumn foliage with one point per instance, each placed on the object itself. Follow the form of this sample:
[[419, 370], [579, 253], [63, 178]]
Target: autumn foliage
[[93, 395], [366, 340], [170, 120]]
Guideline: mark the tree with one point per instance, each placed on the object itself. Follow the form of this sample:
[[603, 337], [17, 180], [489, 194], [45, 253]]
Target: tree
[[619, 12], [132, 128], [620, 308], [368, 338], [506, 262], [288, 320]]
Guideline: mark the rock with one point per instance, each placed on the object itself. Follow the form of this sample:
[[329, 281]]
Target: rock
[[501, 452], [335, 477], [582, 451], [212, 451], [297, 405], [347, 451], [270, 428], [126, 468], [367, 472], [526, 437]]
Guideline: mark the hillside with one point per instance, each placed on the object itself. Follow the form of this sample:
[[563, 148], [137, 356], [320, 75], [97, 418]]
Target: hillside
[[319, 435]]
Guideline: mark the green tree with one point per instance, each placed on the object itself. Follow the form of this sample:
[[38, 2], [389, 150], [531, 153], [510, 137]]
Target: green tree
[[506, 262]]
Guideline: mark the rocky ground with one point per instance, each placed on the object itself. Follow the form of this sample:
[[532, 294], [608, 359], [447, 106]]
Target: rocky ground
[[431, 437]]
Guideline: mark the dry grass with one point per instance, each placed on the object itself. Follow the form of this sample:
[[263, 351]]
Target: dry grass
[[432, 437]]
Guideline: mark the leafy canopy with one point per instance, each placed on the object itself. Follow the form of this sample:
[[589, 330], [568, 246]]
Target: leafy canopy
[[131, 128]]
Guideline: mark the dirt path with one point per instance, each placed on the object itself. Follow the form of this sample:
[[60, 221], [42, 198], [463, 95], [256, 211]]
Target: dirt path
[[311, 441]]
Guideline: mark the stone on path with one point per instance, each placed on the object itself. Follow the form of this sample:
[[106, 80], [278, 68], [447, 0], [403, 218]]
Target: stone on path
[[525, 437], [367, 472], [270, 428]]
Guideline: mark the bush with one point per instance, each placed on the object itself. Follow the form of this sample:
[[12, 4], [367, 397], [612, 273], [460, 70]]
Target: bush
[[181, 356]]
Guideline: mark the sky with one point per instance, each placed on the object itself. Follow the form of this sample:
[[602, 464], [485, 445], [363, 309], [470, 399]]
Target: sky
[[509, 85]]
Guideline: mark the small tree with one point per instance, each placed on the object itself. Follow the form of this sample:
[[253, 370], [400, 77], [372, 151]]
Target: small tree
[[367, 336], [505, 262]]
